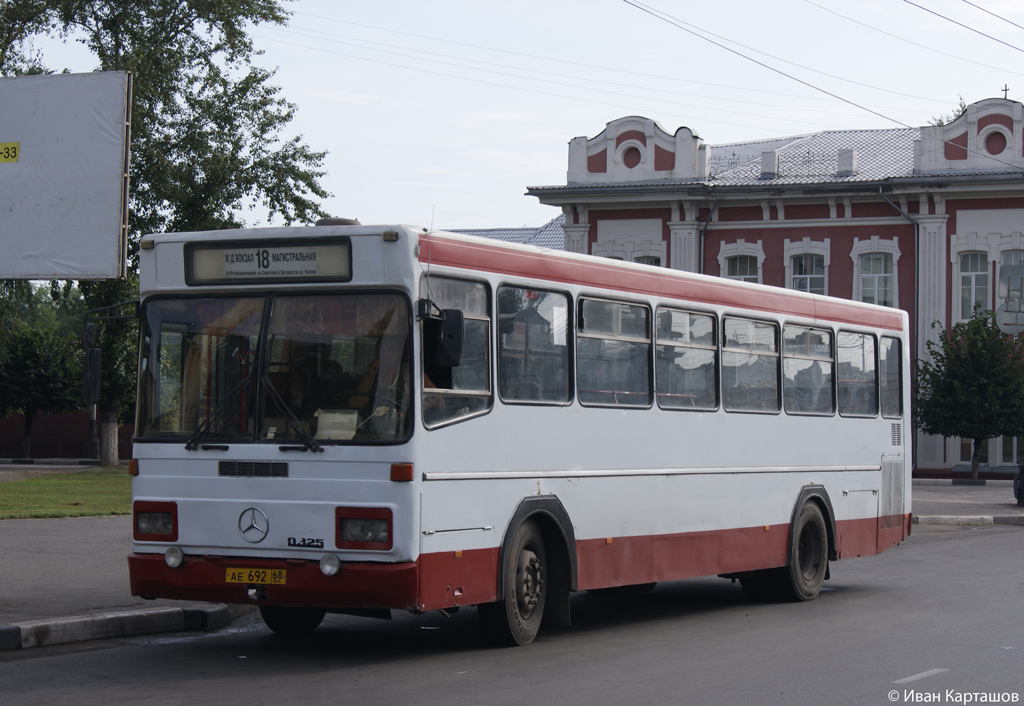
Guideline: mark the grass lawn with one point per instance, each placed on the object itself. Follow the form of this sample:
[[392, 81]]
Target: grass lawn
[[104, 491]]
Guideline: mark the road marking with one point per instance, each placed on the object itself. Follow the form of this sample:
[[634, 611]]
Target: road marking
[[922, 675]]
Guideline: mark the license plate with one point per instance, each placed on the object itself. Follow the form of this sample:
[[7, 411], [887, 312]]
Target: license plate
[[275, 577]]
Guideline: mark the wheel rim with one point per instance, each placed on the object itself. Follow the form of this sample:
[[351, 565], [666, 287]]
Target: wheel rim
[[810, 553], [529, 580]]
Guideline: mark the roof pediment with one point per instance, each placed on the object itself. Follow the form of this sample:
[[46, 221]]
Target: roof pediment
[[988, 136], [634, 149]]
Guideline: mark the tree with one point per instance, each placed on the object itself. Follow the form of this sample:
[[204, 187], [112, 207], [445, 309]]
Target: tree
[[973, 386], [959, 110], [14, 297], [42, 375], [206, 135]]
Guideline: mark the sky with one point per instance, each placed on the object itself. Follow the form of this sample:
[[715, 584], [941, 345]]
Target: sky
[[442, 113]]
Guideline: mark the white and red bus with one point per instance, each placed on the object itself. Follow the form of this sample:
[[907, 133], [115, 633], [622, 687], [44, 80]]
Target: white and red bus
[[358, 419]]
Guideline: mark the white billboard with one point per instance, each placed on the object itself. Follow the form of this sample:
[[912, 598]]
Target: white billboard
[[64, 175]]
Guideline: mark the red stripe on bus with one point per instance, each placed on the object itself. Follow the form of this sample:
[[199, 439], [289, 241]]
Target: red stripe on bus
[[631, 560], [468, 577], [449, 579], [487, 257]]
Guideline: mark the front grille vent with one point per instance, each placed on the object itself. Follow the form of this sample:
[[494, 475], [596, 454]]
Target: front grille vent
[[252, 469], [897, 434]]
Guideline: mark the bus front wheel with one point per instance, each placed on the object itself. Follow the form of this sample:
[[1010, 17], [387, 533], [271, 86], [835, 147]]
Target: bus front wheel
[[291, 621], [516, 619]]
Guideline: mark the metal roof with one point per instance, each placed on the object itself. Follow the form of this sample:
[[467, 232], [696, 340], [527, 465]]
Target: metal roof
[[549, 235]]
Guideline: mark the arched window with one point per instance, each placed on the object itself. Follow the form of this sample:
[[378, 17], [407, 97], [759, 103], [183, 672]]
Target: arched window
[[974, 283], [875, 271], [741, 261], [807, 263]]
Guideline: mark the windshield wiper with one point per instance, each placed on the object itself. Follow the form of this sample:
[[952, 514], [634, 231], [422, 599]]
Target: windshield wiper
[[290, 418], [193, 441]]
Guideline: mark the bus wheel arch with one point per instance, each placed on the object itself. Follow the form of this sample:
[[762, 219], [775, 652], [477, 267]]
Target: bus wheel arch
[[819, 496], [541, 520]]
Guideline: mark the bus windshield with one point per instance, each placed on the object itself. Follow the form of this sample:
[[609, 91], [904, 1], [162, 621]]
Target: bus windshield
[[331, 367]]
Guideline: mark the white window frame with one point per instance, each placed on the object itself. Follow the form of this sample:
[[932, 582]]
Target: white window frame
[[806, 247], [740, 247], [875, 244], [960, 245]]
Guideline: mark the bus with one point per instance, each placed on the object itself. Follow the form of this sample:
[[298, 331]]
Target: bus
[[361, 419]]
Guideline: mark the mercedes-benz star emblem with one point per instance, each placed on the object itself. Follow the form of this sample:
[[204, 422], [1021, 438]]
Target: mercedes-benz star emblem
[[253, 525]]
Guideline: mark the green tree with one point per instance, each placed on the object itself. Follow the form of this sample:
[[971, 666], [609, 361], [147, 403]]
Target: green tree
[[14, 297], [42, 375], [973, 386], [207, 139], [959, 110]]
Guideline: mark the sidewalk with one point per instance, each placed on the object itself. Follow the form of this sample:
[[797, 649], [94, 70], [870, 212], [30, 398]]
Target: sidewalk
[[66, 580], [939, 502]]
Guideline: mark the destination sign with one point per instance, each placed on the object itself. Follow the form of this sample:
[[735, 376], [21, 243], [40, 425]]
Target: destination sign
[[307, 260]]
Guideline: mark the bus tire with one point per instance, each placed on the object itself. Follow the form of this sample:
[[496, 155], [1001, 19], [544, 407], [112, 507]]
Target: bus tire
[[801, 579], [291, 621], [516, 619]]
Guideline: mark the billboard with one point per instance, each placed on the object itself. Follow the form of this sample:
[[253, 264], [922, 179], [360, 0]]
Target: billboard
[[64, 175]]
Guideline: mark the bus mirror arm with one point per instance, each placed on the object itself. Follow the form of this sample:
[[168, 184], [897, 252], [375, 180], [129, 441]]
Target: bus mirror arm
[[444, 332]]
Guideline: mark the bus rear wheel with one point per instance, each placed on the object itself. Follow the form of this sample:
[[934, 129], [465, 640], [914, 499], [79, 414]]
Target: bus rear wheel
[[801, 579], [516, 619], [292, 621]]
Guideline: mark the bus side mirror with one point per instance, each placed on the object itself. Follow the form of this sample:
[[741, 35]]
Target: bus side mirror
[[443, 338]]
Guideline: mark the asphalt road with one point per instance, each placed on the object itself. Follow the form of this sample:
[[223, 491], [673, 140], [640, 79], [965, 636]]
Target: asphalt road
[[938, 615]]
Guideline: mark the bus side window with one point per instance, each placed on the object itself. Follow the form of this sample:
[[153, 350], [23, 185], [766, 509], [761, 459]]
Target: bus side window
[[890, 377], [613, 353], [686, 360], [750, 366], [533, 350], [454, 393], [857, 373], [807, 371]]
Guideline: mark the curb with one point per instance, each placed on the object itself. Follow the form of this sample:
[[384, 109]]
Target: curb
[[129, 623], [969, 520]]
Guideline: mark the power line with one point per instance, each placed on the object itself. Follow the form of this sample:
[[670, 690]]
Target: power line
[[599, 67], [680, 25], [477, 65], [904, 39], [961, 24], [998, 17], [507, 86]]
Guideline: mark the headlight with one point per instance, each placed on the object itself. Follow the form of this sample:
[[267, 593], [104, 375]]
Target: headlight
[[363, 528], [329, 564], [355, 529], [154, 523], [173, 557]]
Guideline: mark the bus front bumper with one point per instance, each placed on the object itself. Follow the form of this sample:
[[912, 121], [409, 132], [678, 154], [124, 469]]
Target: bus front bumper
[[356, 585]]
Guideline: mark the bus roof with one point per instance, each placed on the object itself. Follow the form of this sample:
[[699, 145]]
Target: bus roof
[[470, 252]]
